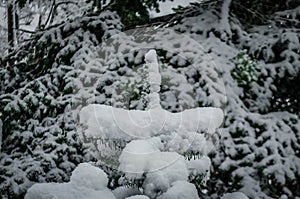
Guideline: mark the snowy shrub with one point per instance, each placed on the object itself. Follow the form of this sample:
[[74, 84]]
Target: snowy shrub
[[153, 156], [43, 128], [39, 134], [245, 70], [260, 130], [150, 159]]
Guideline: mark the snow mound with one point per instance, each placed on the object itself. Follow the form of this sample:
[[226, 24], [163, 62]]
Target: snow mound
[[140, 156], [198, 167], [125, 192], [181, 190], [138, 197], [87, 182], [235, 195], [86, 175]]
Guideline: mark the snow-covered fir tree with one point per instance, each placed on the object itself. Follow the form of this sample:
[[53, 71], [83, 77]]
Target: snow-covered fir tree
[[212, 54]]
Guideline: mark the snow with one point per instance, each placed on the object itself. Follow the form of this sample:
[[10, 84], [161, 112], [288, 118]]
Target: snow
[[181, 190], [156, 139], [3, 21], [3, 36], [138, 197], [109, 122], [151, 58], [166, 7], [225, 18], [86, 181], [199, 166], [165, 168], [140, 156], [122, 192], [154, 79], [266, 138], [235, 195], [89, 176], [33, 25], [90, 182], [66, 191]]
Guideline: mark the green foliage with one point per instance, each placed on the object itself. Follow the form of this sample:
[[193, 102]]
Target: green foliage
[[131, 12], [245, 70]]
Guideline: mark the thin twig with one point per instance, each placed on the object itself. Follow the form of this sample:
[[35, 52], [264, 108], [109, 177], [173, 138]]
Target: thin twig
[[50, 13]]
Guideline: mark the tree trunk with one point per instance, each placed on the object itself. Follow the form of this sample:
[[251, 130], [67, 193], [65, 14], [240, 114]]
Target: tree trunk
[[16, 20], [10, 27]]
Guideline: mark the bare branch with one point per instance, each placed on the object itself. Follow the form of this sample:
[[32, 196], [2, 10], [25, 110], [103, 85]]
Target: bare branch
[[27, 31], [50, 13]]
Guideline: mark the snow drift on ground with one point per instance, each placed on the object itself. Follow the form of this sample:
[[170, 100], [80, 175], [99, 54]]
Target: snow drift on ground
[[86, 182]]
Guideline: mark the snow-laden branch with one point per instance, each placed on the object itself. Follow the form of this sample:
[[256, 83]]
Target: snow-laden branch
[[225, 17], [154, 79]]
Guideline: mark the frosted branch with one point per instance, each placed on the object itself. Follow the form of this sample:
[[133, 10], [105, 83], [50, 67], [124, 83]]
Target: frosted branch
[[154, 79], [225, 16]]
